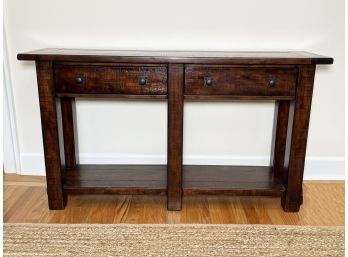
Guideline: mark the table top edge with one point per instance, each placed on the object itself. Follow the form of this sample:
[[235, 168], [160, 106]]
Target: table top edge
[[233, 57]]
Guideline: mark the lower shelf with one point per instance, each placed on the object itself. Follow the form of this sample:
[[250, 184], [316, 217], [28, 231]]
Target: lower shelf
[[152, 179], [230, 180], [121, 179]]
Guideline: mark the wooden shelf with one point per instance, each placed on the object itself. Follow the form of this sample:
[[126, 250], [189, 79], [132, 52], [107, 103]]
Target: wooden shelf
[[152, 179], [230, 180], [120, 179]]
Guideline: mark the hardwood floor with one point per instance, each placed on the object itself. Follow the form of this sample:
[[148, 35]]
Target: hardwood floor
[[25, 201]]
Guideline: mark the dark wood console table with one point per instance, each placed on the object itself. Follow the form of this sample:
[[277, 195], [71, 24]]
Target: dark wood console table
[[286, 77]]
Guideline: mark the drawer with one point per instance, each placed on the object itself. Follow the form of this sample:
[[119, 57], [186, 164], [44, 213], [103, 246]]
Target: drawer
[[142, 80], [240, 81]]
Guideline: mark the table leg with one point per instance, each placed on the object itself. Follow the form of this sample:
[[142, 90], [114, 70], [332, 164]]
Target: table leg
[[51, 136], [280, 128], [68, 131], [175, 136], [297, 139]]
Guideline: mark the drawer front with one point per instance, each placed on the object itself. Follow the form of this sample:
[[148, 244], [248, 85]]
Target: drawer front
[[134, 80], [240, 81]]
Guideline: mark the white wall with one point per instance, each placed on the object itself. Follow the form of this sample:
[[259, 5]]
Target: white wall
[[121, 131]]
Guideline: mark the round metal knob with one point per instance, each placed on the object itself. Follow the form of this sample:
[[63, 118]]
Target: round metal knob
[[208, 81], [271, 82], [142, 81], [79, 79]]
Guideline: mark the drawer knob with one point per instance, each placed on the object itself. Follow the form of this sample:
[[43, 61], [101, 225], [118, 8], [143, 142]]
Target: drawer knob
[[79, 79], [208, 81], [271, 82], [142, 81]]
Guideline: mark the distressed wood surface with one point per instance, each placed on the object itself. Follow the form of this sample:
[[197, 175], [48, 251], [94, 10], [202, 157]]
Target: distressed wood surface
[[120, 179], [68, 123], [280, 130], [152, 179], [110, 80], [64, 74], [297, 139], [175, 135], [51, 136], [211, 57], [240, 81]]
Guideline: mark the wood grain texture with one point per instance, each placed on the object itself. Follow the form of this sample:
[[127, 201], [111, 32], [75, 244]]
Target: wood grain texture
[[25, 200], [286, 77], [280, 129], [235, 97], [110, 80], [297, 139], [243, 81], [175, 135], [51, 137], [120, 179], [69, 129], [230, 180], [208, 57], [116, 96], [152, 179]]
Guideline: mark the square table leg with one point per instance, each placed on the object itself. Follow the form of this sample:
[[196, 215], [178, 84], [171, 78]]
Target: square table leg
[[297, 139], [175, 136], [281, 117], [50, 121], [67, 107]]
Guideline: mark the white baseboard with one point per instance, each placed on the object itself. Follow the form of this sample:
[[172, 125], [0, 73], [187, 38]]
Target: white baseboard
[[316, 168]]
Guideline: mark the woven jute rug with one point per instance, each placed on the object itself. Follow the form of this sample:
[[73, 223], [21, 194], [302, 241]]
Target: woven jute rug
[[171, 240]]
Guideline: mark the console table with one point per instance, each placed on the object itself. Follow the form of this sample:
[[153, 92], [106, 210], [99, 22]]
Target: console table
[[286, 77]]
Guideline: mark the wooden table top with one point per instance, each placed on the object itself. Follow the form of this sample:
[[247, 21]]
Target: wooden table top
[[213, 57]]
